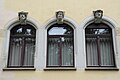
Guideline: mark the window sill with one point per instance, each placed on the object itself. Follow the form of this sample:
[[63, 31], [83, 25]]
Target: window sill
[[101, 69], [19, 69], [60, 69]]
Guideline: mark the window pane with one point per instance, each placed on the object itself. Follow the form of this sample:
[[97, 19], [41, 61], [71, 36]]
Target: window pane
[[99, 45], [97, 31], [67, 51], [29, 52], [60, 29], [53, 50], [22, 46], [15, 51], [106, 52], [60, 45], [92, 55], [23, 30]]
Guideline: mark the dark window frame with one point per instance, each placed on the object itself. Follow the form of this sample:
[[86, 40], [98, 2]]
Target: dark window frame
[[97, 37], [23, 36], [60, 45]]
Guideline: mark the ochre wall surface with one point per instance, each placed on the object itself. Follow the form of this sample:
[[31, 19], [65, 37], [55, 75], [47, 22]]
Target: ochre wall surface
[[78, 10], [42, 11], [61, 75]]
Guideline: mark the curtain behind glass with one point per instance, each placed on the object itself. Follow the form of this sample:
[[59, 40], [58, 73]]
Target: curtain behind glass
[[105, 57], [15, 52], [60, 52], [22, 46], [53, 52], [67, 52], [29, 52], [92, 55], [106, 52]]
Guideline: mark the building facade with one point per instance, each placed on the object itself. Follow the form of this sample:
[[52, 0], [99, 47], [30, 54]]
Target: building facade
[[54, 40]]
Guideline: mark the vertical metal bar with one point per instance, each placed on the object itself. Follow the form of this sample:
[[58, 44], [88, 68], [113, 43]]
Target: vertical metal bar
[[60, 52], [98, 49], [22, 52]]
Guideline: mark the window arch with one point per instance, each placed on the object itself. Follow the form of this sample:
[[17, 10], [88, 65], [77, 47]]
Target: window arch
[[22, 46], [60, 45], [99, 45]]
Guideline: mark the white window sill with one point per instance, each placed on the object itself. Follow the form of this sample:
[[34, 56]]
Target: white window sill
[[60, 69], [101, 69], [19, 69]]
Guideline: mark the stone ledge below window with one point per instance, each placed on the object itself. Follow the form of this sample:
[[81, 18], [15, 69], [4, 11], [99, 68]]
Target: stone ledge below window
[[19, 69], [60, 69], [101, 69]]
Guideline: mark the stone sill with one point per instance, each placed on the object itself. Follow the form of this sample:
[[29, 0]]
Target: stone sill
[[101, 69], [60, 69], [19, 69]]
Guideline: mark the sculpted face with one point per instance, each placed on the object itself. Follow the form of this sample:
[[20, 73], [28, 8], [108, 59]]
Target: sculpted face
[[98, 14], [60, 15], [22, 17]]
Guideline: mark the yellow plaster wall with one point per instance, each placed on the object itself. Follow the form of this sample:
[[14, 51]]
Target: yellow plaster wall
[[42, 10], [78, 10], [61, 75]]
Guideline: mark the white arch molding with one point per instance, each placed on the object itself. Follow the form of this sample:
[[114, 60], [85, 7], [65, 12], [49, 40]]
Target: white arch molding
[[111, 23], [41, 39], [67, 20], [8, 27]]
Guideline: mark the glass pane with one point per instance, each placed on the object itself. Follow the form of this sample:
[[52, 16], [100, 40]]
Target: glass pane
[[106, 50], [60, 45], [23, 30], [60, 29], [67, 51], [15, 52], [91, 49], [22, 46], [102, 46], [29, 51], [53, 50], [98, 31]]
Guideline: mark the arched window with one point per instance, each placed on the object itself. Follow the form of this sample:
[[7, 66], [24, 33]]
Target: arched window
[[22, 46], [99, 45], [60, 46]]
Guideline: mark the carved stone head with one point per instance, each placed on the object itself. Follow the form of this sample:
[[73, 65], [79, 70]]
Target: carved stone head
[[22, 17], [60, 17], [98, 16]]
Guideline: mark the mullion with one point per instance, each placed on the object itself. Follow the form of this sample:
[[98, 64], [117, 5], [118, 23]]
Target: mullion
[[98, 51], [60, 53], [23, 52]]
